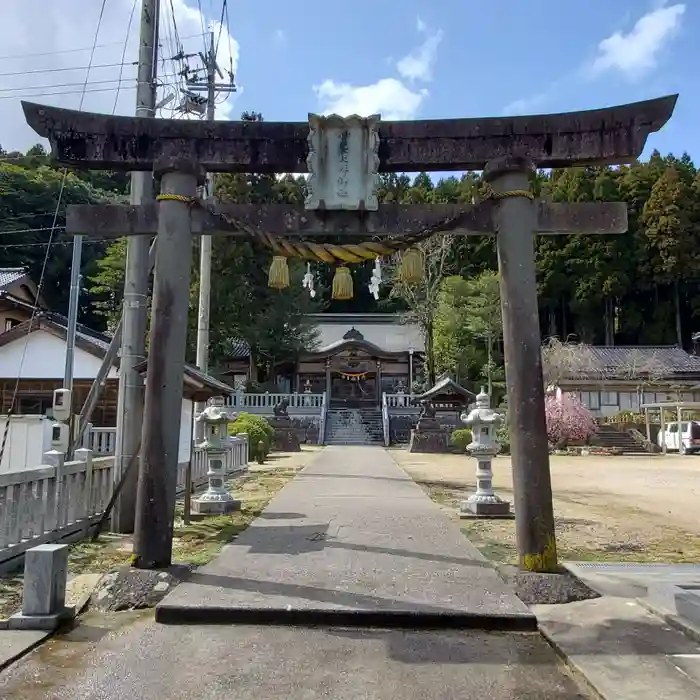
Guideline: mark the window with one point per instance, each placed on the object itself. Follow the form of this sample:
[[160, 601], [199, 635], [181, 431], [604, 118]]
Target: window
[[35, 405], [673, 428], [608, 398], [10, 323]]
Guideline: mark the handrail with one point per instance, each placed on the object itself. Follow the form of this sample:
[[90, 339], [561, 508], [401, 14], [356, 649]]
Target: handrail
[[322, 425], [385, 420]]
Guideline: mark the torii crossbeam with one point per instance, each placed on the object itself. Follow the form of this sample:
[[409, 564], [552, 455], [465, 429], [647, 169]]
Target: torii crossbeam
[[343, 157]]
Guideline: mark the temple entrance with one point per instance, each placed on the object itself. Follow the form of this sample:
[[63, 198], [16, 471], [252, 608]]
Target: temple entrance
[[353, 389]]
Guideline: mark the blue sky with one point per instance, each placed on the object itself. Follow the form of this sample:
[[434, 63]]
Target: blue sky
[[415, 59], [408, 59]]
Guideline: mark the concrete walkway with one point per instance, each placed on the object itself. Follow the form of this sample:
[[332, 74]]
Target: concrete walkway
[[352, 540]]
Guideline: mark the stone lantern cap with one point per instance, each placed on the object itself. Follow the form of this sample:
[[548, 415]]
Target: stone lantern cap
[[215, 413], [483, 414]]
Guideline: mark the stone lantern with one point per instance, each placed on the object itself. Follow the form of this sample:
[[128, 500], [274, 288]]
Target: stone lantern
[[484, 422], [216, 500]]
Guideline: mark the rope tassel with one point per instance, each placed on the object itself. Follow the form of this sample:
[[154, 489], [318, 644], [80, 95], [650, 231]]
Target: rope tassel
[[342, 284], [278, 277], [411, 270]]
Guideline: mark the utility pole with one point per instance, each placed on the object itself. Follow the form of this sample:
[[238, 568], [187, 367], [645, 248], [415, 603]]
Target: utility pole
[[205, 242], [135, 305], [70, 330]]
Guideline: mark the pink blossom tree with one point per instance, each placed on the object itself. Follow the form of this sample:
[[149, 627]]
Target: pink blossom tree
[[567, 419]]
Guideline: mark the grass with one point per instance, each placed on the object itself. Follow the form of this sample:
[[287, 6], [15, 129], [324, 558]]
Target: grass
[[595, 538], [195, 543]]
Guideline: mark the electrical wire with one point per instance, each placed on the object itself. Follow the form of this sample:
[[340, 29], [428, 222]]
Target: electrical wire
[[10, 57], [64, 70], [126, 43], [46, 257]]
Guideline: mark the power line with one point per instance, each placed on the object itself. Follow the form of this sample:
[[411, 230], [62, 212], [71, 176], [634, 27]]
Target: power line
[[64, 85], [46, 258], [63, 70], [69, 92], [10, 57], [126, 43]]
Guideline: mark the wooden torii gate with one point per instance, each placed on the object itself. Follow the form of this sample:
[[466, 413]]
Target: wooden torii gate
[[343, 157]]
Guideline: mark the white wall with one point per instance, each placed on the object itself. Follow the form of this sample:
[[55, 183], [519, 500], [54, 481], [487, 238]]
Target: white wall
[[388, 336], [27, 440], [45, 358], [183, 454]]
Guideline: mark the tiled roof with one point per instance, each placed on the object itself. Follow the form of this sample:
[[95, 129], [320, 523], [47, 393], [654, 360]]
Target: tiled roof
[[101, 342], [664, 359], [237, 348], [10, 275]]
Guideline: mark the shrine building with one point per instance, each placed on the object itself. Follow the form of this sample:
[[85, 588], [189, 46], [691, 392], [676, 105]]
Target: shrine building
[[356, 358]]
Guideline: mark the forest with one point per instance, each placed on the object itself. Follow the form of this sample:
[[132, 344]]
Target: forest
[[637, 288]]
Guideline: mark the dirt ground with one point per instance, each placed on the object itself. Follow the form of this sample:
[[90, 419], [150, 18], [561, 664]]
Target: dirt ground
[[641, 508]]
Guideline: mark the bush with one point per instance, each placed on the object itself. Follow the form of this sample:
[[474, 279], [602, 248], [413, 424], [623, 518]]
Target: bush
[[503, 437], [460, 439], [258, 429]]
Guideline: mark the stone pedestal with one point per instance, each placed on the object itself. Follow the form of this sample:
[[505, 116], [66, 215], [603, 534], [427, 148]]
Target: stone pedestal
[[44, 595], [429, 437], [285, 438]]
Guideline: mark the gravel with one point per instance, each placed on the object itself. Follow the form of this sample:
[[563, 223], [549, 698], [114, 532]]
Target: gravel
[[546, 589], [136, 589]]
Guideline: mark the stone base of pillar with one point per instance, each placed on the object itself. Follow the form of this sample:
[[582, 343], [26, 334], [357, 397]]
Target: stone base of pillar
[[485, 507], [285, 440], [429, 441], [221, 505]]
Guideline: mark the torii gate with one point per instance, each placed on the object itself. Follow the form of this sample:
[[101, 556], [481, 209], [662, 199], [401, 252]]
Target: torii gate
[[343, 157]]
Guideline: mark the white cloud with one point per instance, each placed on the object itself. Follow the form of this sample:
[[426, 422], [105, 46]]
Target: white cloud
[[280, 37], [418, 65], [63, 32], [635, 53], [389, 96]]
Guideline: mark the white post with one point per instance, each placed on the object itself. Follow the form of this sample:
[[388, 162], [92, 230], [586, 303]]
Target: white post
[[57, 459], [85, 455], [246, 448]]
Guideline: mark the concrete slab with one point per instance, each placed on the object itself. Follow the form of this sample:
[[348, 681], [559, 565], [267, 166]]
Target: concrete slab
[[352, 540], [144, 660], [16, 643], [671, 591], [622, 650]]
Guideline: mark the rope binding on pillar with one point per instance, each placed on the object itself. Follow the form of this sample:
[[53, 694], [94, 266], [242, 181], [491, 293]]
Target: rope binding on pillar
[[176, 198]]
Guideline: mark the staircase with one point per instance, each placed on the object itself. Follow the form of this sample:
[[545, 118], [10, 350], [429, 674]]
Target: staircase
[[610, 437], [354, 426]]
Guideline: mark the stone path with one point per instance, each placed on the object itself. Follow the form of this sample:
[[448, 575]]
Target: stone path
[[352, 540]]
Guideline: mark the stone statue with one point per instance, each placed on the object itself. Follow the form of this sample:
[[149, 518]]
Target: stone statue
[[280, 409], [427, 410]]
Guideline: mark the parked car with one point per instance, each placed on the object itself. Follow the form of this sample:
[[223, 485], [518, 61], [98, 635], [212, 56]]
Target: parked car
[[686, 440]]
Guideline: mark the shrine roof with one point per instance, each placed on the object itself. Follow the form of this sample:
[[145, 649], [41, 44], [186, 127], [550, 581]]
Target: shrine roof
[[350, 344], [444, 387]]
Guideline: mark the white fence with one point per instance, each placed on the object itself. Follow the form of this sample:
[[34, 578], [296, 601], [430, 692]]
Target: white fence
[[399, 400], [102, 441], [60, 501], [262, 403]]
